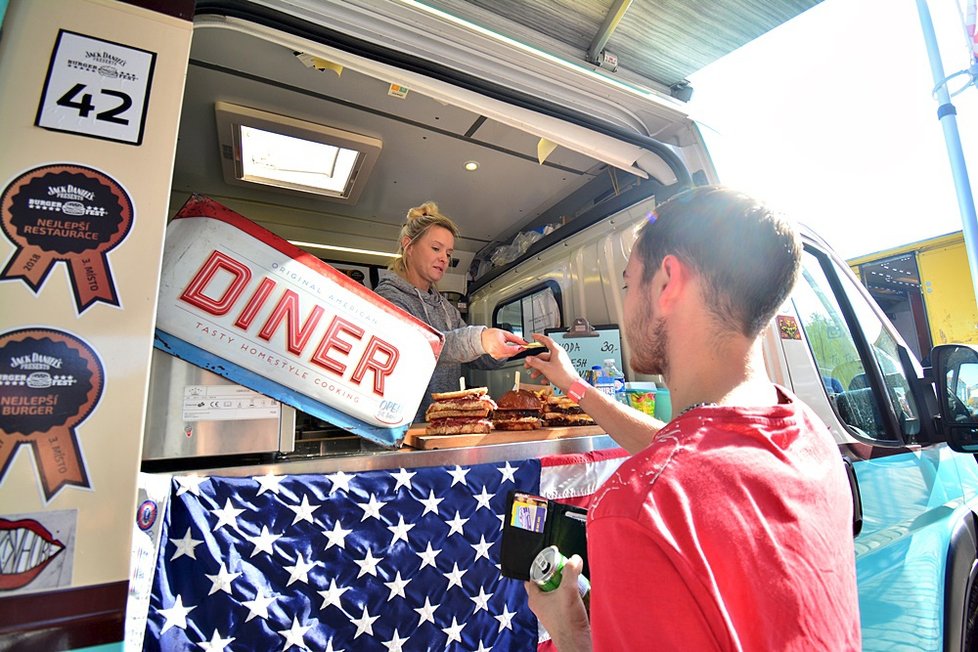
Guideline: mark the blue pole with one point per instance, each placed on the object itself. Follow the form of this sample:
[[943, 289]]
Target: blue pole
[[946, 114]]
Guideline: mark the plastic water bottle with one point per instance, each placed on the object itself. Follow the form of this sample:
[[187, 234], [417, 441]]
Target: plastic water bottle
[[617, 380]]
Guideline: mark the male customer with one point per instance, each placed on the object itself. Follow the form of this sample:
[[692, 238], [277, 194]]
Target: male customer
[[730, 528]]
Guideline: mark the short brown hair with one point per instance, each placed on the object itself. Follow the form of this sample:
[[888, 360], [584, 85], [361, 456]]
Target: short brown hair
[[747, 255], [419, 219]]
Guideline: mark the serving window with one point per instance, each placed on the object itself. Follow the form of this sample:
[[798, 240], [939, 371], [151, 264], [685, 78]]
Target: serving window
[[533, 311]]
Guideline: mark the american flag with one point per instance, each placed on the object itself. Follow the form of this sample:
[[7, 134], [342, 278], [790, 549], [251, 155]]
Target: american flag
[[387, 560]]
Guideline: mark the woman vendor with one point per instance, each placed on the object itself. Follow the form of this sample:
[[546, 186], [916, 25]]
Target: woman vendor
[[426, 243]]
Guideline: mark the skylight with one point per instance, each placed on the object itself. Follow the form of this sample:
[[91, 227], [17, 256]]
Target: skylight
[[275, 150]]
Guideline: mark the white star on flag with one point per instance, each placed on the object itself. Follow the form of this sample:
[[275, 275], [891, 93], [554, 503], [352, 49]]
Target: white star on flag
[[263, 542], [482, 548], [216, 644], [428, 556], [430, 503], [400, 531], [397, 586], [303, 511], [368, 565], [269, 482], [508, 471], [189, 483], [295, 634], [336, 536], [339, 480], [394, 645], [427, 612], [176, 616], [456, 525], [454, 631], [483, 499], [258, 606], [331, 596], [222, 581], [185, 546], [365, 623], [483, 648], [458, 475], [227, 515], [505, 619], [455, 576], [371, 509], [403, 479], [482, 600], [329, 647], [300, 571]]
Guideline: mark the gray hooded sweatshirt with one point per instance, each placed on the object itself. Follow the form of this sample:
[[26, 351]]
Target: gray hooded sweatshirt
[[462, 343]]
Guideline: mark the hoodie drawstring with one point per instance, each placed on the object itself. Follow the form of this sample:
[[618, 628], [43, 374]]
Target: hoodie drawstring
[[427, 317]]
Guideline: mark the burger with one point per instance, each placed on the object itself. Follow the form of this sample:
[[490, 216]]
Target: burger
[[563, 411], [465, 412], [518, 409]]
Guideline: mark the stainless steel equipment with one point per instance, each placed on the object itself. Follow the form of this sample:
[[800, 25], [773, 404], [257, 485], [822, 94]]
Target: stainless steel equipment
[[193, 412]]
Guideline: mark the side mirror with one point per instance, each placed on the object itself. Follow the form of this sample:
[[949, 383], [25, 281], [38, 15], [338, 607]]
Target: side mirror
[[956, 380]]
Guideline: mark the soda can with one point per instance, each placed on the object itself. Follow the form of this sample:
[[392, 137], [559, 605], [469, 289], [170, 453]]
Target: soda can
[[546, 569]]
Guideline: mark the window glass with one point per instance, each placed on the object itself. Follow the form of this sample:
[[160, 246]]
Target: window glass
[[835, 352], [884, 349], [533, 312]]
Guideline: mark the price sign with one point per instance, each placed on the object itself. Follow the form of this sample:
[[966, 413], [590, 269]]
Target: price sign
[[96, 88], [587, 351]]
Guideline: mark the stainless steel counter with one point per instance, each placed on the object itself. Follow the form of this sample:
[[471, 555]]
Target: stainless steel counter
[[410, 458]]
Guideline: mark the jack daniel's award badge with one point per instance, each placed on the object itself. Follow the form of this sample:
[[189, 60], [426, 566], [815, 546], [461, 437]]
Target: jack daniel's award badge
[[68, 213], [50, 381]]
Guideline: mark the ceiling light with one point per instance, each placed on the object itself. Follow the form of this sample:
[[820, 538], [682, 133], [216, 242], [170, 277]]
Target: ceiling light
[[282, 152], [351, 250], [471, 166]]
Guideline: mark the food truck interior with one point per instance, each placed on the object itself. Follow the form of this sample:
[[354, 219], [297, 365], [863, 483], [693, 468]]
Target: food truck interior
[[411, 146], [515, 170]]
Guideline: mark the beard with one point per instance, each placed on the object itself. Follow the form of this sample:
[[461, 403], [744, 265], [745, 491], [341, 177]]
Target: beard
[[650, 348]]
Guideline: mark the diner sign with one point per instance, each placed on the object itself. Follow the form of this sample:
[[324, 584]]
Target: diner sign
[[245, 304]]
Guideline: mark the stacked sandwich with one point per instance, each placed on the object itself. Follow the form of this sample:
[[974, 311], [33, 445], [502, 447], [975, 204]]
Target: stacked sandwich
[[465, 412], [563, 411], [518, 409]]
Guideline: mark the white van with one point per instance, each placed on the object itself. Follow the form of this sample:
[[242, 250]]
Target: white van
[[549, 166]]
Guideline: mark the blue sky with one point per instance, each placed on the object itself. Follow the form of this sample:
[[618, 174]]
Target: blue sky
[[830, 118]]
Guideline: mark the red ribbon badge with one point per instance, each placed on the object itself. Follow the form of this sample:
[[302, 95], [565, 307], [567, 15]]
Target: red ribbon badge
[[65, 212], [50, 381]]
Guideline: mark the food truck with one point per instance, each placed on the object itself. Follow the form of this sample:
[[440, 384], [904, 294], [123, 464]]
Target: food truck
[[205, 435], [923, 288]]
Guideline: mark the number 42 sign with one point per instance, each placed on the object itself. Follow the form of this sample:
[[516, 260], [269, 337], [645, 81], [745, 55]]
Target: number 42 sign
[[96, 88]]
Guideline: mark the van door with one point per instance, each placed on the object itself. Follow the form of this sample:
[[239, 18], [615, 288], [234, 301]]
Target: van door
[[914, 495]]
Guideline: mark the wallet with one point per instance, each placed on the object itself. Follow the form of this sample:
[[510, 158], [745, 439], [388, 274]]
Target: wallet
[[532, 523]]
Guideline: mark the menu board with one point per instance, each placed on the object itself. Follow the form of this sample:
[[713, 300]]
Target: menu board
[[585, 351]]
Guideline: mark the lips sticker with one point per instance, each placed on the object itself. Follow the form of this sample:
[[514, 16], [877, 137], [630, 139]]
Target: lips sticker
[[26, 549]]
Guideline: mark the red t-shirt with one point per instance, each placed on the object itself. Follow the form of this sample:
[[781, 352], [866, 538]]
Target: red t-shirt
[[731, 531]]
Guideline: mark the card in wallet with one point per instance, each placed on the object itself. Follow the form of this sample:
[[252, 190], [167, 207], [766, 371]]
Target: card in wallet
[[532, 523]]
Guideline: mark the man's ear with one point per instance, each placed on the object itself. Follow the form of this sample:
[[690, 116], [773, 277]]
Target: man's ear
[[673, 281]]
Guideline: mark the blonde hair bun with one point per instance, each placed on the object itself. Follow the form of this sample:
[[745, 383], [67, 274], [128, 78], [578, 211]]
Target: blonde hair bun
[[424, 210]]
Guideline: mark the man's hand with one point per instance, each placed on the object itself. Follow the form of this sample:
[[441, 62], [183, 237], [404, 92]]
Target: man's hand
[[501, 344], [561, 611], [554, 364]]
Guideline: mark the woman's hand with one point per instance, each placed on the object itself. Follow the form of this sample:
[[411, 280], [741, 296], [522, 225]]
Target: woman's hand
[[554, 364], [501, 344]]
